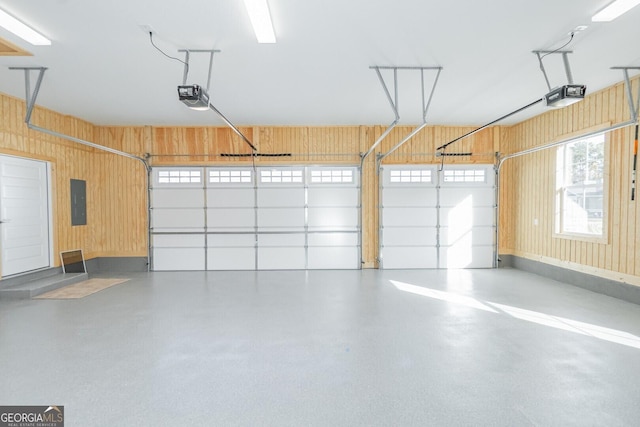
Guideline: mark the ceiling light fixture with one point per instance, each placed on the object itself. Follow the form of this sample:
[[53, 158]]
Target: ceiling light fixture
[[615, 9], [21, 30], [261, 20]]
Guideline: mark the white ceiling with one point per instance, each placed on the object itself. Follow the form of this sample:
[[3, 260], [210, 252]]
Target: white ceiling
[[102, 67]]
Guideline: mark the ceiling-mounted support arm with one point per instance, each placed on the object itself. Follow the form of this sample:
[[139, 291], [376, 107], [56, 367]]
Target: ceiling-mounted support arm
[[393, 102], [394, 106], [413, 133], [31, 102], [634, 106], [30, 98], [426, 105], [207, 101], [565, 60], [424, 109], [567, 68], [185, 73], [544, 72]]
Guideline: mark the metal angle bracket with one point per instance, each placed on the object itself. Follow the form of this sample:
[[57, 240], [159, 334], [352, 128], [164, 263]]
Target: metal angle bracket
[[30, 97], [565, 59], [185, 74], [634, 106], [426, 103], [393, 101], [187, 53]]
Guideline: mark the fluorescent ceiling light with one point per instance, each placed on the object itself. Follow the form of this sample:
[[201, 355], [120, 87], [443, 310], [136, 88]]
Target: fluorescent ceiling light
[[11, 24], [614, 10], [261, 20]]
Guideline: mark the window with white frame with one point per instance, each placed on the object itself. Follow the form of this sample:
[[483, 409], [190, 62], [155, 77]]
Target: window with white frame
[[580, 184], [179, 176], [410, 175], [229, 176], [464, 175], [332, 176], [281, 176]]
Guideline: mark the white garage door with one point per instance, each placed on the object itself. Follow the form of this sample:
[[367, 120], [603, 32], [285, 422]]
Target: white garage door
[[269, 218], [231, 219], [178, 219], [437, 219]]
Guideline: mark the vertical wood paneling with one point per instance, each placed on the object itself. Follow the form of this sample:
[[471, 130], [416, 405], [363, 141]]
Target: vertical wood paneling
[[117, 186], [116, 217], [533, 178], [370, 201]]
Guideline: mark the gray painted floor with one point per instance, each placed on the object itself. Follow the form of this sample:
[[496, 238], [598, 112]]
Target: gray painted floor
[[327, 348]]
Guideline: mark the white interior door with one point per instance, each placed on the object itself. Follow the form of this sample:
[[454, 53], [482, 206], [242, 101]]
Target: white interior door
[[24, 212]]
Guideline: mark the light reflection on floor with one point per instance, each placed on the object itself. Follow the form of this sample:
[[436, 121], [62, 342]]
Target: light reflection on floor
[[600, 332]]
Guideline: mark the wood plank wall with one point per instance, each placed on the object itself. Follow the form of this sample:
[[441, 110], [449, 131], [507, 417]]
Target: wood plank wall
[[118, 198], [116, 219], [321, 145], [528, 187]]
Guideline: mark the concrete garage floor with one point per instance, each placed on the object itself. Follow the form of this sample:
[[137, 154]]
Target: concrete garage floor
[[327, 348]]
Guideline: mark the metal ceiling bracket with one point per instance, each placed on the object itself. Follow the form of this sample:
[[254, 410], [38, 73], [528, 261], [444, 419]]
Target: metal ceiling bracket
[[426, 103], [393, 102], [31, 103], [565, 59], [634, 106], [185, 73], [31, 98]]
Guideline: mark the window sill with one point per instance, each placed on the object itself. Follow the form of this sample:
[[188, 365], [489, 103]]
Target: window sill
[[582, 237]]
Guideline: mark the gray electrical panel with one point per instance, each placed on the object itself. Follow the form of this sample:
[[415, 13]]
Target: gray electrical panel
[[78, 202]]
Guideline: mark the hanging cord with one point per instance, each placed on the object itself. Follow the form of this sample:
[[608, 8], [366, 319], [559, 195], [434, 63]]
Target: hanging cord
[[635, 162], [540, 58], [571, 36], [168, 56]]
